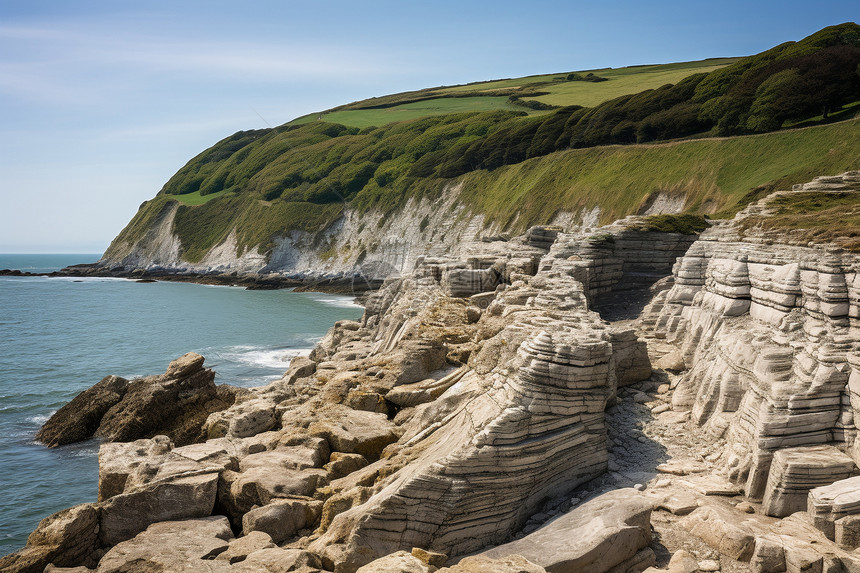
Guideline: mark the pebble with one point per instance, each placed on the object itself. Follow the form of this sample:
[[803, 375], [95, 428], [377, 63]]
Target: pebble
[[639, 487], [745, 506], [661, 408], [663, 388], [641, 398]]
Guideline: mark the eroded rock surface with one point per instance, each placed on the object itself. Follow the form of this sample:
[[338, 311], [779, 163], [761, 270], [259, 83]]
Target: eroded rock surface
[[481, 398], [175, 403]]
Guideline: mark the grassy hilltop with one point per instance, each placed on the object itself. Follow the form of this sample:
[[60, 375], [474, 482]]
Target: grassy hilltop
[[718, 131]]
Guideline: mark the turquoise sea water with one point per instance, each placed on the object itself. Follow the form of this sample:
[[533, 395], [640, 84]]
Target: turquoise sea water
[[59, 336]]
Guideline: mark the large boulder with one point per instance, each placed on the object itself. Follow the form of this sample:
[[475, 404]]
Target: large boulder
[[596, 536], [356, 431], [176, 403], [282, 518], [188, 545], [125, 515], [66, 539], [80, 418]]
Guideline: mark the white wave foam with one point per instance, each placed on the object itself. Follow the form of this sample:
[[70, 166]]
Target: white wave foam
[[342, 301], [263, 357], [41, 418]]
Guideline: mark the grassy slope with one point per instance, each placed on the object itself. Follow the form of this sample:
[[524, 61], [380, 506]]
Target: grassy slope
[[816, 217], [265, 183], [715, 173], [372, 117], [619, 82]]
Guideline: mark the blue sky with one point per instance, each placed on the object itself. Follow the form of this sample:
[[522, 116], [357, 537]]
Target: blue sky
[[102, 101]]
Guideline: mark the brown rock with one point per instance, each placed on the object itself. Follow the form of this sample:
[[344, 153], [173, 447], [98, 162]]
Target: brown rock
[[430, 557], [80, 418], [67, 538], [188, 545], [356, 431], [341, 464], [398, 562], [722, 529], [241, 547], [276, 560], [282, 518]]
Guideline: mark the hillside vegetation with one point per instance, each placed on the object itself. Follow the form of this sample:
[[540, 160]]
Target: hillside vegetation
[[520, 164]]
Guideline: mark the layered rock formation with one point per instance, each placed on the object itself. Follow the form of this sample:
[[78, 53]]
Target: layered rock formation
[[472, 399], [768, 334]]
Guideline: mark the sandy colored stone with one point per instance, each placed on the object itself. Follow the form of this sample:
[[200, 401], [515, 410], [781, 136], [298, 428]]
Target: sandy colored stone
[[597, 535]]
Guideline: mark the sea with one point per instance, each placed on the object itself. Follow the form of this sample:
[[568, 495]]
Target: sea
[[59, 336]]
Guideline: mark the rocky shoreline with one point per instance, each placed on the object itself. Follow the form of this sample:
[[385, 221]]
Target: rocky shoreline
[[608, 400], [334, 284]]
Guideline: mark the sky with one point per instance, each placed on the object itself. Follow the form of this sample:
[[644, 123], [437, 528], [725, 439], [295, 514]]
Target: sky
[[102, 101]]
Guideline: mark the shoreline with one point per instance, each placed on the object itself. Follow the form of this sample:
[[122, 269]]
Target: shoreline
[[356, 285]]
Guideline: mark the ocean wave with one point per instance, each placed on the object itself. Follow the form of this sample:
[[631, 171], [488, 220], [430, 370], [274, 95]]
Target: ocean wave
[[40, 419], [341, 301], [262, 357], [89, 279]]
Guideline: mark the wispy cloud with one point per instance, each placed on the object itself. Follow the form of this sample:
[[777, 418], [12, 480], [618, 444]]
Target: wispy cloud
[[56, 65]]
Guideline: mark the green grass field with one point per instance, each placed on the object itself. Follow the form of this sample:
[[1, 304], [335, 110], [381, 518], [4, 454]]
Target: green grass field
[[620, 81], [440, 106], [196, 198], [715, 174]]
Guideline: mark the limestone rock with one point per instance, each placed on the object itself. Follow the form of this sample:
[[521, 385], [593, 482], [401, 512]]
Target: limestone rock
[[66, 538], [484, 564], [188, 545], [595, 536], [276, 560], [682, 562], [175, 403], [354, 431], [125, 515], [80, 418], [795, 471], [341, 464], [831, 503], [282, 518], [241, 547], [722, 529], [398, 562]]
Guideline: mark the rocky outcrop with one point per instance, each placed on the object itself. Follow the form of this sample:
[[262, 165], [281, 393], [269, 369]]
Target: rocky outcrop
[[175, 403], [80, 418], [768, 333], [472, 399]]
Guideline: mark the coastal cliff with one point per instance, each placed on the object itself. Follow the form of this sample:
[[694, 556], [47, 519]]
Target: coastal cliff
[[508, 408]]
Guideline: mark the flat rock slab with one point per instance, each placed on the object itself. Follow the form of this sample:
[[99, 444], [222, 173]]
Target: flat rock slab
[[596, 536], [484, 564], [356, 432], [172, 546], [682, 467], [677, 503], [125, 515], [795, 471], [713, 485]]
